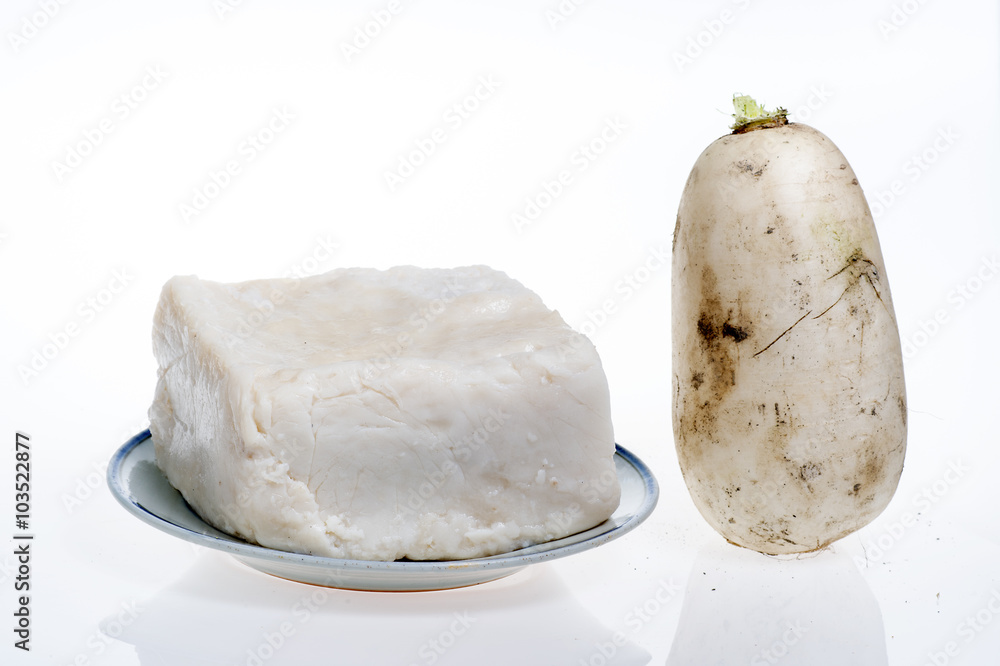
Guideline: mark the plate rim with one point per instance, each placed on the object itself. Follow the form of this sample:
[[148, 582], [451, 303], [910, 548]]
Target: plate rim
[[244, 550]]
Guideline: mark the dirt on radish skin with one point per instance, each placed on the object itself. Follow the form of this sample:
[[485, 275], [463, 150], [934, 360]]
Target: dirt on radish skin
[[789, 407]]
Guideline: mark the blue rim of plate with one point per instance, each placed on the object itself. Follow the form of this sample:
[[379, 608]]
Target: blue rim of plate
[[640, 493]]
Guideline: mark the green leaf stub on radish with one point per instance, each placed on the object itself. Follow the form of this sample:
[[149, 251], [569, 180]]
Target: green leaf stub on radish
[[789, 409]]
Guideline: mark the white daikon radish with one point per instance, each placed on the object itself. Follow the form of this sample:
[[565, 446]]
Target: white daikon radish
[[789, 407]]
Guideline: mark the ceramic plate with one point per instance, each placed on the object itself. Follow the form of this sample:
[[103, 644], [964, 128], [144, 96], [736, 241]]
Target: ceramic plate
[[137, 483]]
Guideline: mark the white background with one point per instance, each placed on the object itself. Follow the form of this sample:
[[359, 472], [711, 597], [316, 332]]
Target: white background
[[887, 81]]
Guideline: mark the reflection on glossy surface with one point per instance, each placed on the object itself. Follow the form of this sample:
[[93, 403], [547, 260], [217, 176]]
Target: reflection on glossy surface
[[221, 612], [741, 607]]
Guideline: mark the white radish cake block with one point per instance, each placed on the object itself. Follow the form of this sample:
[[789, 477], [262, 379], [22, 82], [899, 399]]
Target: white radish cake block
[[428, 414]]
